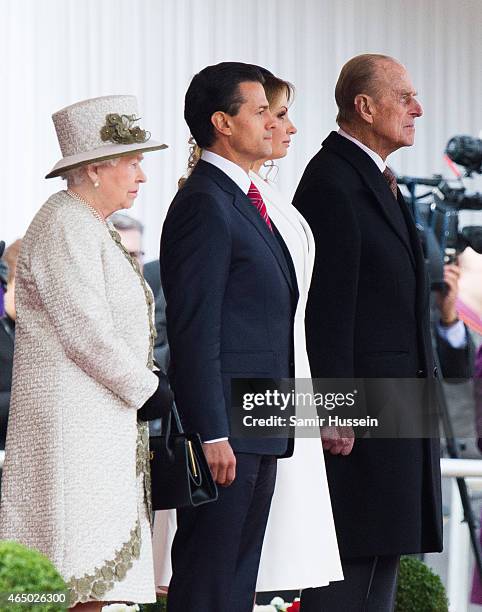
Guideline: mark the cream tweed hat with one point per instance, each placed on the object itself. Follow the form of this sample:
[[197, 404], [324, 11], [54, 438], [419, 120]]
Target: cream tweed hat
[[98, 129]]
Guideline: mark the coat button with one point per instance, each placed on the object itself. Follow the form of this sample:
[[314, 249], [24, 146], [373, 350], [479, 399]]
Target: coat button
[[435, 372], [421, 374]]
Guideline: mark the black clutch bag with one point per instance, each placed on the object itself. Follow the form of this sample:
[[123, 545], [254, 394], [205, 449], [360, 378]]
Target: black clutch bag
[[180, 474]]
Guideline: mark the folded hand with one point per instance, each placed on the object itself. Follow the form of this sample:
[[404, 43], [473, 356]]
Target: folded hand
[[338, 440]]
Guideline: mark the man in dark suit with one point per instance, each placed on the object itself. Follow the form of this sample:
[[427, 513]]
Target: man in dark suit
[[231, 296], [368, 316]]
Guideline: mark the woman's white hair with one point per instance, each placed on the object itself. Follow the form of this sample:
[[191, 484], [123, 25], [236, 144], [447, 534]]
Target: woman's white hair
[[77, 176]]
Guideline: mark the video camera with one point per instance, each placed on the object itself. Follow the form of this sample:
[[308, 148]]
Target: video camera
[[437, 211], [466, 151]]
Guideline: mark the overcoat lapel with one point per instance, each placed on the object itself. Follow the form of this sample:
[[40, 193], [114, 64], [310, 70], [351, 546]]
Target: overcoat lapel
[[374, 180], [251, 213]]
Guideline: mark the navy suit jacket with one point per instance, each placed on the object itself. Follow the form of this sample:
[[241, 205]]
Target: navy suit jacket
[[231, 296]]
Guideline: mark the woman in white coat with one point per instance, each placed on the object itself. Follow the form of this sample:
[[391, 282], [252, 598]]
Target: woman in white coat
[[76, 479], [300, 548]]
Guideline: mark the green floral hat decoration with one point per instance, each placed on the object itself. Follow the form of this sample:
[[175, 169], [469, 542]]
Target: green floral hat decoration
[[98, 129]]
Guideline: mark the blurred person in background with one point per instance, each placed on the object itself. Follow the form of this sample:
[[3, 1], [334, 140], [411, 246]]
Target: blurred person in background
[[76, 481], [454, 344], [7, 337], [458, 336], [152, 274], [130, 230], [469, 299], [469, 310]]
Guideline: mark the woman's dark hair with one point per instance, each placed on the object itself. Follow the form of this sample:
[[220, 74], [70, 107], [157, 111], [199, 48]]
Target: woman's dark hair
[[216, 88]]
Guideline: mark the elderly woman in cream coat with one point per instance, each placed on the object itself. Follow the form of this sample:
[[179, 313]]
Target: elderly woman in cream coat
[[300, 548], [75, 484]]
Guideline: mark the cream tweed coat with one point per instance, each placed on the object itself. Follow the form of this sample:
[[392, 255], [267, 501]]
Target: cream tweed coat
[[69, 487]]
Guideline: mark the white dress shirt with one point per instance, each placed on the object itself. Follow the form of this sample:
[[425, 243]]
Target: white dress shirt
[[376, 158], [235, 172]]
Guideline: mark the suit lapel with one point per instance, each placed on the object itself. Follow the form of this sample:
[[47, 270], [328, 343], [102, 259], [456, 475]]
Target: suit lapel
[[289, 262], [374, 180], [250, 212], [243, 204], [285, 216]]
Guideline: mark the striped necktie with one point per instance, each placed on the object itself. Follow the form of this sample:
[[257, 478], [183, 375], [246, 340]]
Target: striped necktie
[[391, 180], [257, 200]]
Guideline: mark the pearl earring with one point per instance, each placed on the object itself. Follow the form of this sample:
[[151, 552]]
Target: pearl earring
[[96, 184]]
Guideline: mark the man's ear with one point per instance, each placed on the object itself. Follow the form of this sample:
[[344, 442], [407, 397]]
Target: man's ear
[[220, 120], [364, 107]]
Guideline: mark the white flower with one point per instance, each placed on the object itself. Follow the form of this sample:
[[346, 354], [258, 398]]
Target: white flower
[[277, 602], [120, 607]]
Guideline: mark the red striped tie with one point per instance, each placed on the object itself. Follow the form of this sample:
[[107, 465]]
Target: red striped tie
[[257, 200]]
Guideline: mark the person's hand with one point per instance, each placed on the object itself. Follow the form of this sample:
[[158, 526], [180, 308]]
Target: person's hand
[[159, 405], [338, 440], [446, 302], [221, 461]]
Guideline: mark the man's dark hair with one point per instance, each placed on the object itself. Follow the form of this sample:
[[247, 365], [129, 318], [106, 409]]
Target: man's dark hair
[[216, 88]]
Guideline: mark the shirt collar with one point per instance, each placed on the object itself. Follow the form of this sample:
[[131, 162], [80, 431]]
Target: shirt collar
[[376, 158], [235, 172]]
